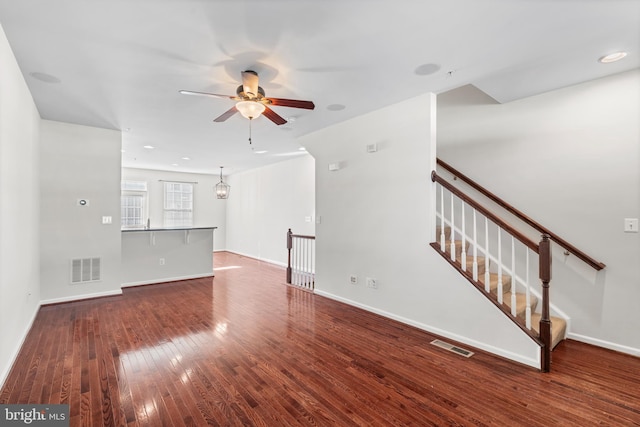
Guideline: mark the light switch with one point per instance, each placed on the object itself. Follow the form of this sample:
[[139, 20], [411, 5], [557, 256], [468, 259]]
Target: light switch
[[107, 220], [631, 225]]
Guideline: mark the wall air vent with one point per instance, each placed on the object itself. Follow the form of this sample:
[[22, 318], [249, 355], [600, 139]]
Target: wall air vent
[[85, 270], [452, 348]]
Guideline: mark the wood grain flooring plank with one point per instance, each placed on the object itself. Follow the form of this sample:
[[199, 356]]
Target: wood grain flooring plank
[[245, 349]]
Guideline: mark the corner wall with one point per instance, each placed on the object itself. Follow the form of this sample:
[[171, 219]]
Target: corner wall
[[377, 220], [569, 159], [266, 202], [19, 209], [79, 162]]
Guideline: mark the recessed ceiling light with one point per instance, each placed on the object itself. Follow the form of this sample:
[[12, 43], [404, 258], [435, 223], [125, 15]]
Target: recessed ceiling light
[[302, 149], [260, 152], [174, 164], [186, 158], [335, 107], [613, 57], [427, 69], [149, 147]]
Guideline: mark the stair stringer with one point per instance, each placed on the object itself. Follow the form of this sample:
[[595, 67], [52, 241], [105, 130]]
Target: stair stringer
[[491, 297]]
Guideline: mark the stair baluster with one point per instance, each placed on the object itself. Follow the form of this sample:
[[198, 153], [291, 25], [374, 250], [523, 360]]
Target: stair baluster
[[487, 275], [527, 292], [452, 237], [500, 284], [442, 238], [463, 252], [475, 248], [514, 282]]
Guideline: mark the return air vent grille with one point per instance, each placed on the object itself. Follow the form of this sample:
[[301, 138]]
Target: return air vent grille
[[452, 348], [85, 270]]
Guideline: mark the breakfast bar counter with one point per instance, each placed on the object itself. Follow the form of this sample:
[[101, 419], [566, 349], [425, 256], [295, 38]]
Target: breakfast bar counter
[[166, 254]]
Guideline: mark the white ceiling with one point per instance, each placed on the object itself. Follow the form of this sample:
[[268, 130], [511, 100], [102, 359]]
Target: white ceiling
[[119, 64]]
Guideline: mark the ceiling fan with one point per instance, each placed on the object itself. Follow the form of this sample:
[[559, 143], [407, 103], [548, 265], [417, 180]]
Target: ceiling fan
[[252, 101]]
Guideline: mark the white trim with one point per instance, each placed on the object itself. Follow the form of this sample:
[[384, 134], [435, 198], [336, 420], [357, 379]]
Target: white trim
[[72, 298], [535, 363], [14, 355], [604, 344], [270, 261], [166, 279]]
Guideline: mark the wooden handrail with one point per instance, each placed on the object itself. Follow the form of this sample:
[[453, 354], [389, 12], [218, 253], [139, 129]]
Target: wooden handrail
[[303, 236], [497, 220], [560, 241]]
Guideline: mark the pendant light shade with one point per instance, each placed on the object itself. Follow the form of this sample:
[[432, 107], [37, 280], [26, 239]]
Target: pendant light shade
[[222, 189]]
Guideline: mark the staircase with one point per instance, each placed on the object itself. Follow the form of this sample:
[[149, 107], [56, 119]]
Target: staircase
[[522, 303]]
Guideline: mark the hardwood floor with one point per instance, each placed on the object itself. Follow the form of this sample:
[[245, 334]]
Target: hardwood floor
[[244, 349]]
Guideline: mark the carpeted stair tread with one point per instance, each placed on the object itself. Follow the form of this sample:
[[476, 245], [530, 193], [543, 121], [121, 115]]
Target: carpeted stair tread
[[493, 282], [521, 303], [558, 328], [458, 246], [481, 264]]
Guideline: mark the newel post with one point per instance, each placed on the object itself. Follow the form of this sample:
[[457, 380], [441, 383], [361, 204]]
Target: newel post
[[545, 321], [289, 246]]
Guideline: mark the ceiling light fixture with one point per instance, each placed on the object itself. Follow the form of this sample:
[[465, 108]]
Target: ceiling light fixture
[[222, 189], [250, 109], [613, 57]]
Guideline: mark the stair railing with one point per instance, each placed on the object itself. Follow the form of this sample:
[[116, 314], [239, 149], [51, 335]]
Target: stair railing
[[489, 241], [301, 256], [571, 249]]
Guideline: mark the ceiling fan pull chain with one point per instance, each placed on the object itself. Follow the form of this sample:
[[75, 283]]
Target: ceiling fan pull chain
[[250, 120]]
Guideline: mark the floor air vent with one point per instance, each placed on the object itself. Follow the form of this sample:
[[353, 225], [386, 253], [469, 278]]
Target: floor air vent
[[452, 348], [85, 270]]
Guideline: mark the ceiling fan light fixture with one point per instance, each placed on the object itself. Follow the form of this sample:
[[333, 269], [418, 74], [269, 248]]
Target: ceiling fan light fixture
[[250, 109]]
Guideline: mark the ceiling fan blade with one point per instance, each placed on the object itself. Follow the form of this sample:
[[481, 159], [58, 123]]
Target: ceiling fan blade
[[212, 95], [273, 116], [294, 103], [250, 83], [224, 116]]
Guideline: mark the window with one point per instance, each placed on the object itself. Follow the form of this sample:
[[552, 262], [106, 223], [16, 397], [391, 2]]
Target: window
[[178, 204], [133, 204]]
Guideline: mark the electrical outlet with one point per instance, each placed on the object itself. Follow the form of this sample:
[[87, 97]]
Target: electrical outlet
[[372, 283], [353, 279], [161, 261]]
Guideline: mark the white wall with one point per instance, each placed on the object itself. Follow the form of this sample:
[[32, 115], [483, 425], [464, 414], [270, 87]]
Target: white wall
[[19, 209], [78, 162], [208, 211], [377, 222], [570, 159], [266, 202]]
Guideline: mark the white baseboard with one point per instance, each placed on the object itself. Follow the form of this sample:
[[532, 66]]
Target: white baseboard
[[533, 362], [605, 344], [166, 279], [270, 261], [16, 351], [81, 297]]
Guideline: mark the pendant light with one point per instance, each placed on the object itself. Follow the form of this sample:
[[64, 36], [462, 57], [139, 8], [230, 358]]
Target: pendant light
[[222, 189]]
